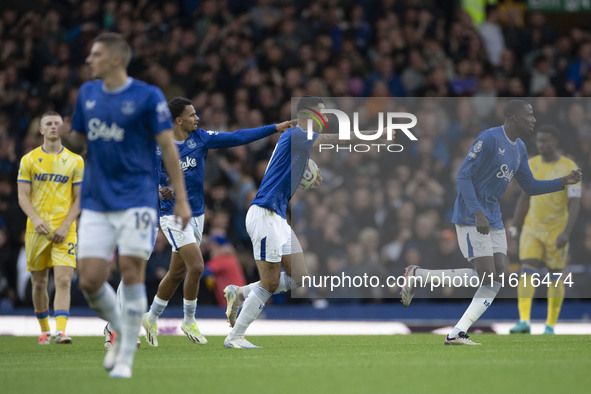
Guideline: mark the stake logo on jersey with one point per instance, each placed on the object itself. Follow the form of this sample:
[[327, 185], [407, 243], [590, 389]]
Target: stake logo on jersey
[[116, 123], [285, 170], [486, 173], [192, 153]]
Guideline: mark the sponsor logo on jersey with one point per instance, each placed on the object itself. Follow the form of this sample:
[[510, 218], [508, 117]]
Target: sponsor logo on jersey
[[188, 162], [158, 150], [57, 178], [505, 173], [212, 132], [99, 129], [501, 151], [128, 107]]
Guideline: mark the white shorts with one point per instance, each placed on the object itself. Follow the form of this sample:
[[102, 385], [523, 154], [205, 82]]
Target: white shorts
[[132, 231], [473, 244], [176, 236], [270, 234]]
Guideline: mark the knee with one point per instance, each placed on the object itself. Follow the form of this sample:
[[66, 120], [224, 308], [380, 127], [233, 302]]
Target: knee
[[88, 285], [196, 269], [63, 281], [39, 284]]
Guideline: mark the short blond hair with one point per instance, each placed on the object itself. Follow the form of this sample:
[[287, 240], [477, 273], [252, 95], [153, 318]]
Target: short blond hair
[[116, 44]]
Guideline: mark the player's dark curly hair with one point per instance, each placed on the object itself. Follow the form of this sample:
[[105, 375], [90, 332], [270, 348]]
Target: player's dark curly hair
[[177, 106]]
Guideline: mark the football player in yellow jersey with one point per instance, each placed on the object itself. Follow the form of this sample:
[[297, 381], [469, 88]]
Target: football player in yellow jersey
[[49, 182], [546, 230]]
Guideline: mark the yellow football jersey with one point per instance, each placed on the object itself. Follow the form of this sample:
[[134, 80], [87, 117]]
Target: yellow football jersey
[[551, 210], [51, 177]]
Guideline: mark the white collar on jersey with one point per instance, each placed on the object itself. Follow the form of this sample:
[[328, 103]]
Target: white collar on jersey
[[119, 89], [508, 139]]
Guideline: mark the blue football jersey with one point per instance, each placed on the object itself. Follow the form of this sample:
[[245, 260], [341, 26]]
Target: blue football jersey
[[193, 152], [285, 170], [491, 163], [120, 127]]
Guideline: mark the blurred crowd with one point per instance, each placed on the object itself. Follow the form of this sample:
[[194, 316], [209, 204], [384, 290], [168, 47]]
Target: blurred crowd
[[241, 62]]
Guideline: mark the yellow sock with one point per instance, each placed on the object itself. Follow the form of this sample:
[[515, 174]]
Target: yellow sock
[[525, 292], [555, 298], [61, 319], [43, 319]]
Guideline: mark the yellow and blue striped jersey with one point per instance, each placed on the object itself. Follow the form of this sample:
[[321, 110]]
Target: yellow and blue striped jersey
[[52, 177], [551, 210]]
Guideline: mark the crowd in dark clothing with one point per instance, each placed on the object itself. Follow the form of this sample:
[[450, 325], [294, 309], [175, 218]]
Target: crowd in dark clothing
[[241, 62]]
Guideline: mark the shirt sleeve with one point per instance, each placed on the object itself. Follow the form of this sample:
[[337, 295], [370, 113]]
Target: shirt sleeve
[[78, 171], [157, 112], [24, 172], [301, 140], [476, 158], [215, 139], [531, 185]]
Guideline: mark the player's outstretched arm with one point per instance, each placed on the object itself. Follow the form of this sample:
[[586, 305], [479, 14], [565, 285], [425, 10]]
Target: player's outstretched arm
[[170, 158], [24, 191], [62, 231]]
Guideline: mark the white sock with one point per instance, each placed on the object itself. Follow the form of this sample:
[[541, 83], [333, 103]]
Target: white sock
[[286, 283], [482, 299], [156, 309], [104, 303], [120, 294], [189, 307], [448, 275], [246, 289], [251, 309], [135, 303]]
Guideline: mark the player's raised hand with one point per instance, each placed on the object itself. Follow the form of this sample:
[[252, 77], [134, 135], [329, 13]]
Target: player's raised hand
[[318, 180], [41, 227], [575, 176], [182, 210], [482, 224], [284, 126]]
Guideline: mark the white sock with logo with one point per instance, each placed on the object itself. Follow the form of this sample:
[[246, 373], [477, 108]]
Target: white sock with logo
[[482, 299], [134, 305], [286, 283], [251, 309]]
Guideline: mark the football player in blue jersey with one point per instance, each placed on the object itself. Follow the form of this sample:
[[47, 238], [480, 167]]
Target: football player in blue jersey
[[186, 261], [275, 245], [121, 120], [497, 155]]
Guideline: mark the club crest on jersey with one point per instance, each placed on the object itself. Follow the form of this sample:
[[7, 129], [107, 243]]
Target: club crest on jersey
[[505, 173], [191, 144], [477, 147], [128, 107]]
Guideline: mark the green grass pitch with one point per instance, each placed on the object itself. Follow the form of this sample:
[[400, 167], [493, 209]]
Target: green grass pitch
[[417, 363]]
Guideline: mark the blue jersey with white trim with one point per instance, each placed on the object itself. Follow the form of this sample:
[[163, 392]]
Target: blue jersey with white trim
[[120, 127], [285, 170], [491, 163], [193, 152]]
